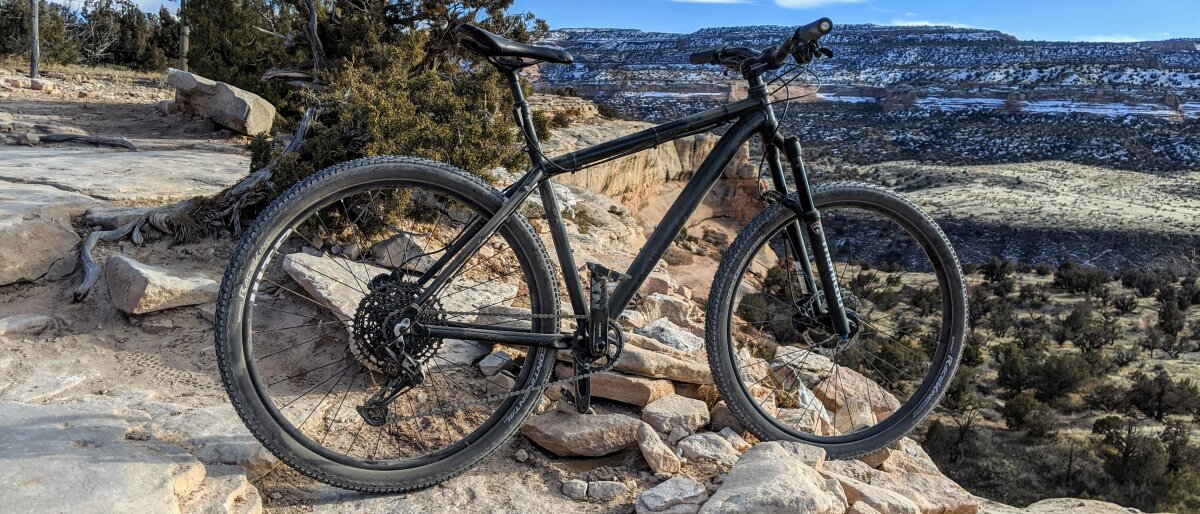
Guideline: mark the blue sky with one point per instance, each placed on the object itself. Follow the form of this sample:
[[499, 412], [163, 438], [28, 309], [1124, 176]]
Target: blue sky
[[1057, 20]]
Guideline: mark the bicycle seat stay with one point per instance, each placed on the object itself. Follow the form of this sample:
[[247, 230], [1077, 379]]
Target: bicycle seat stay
[[492, 45]]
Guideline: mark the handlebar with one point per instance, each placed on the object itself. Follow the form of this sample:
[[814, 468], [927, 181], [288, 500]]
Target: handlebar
[[719, 55], [772, 57]]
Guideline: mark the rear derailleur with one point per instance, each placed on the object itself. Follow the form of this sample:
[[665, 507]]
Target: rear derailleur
[[404, 373]]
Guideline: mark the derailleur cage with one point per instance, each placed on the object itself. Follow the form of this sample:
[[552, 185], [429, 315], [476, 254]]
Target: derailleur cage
[[407, 375]]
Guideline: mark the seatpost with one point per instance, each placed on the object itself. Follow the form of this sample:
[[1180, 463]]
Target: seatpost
[[524, 117], [558, 230]]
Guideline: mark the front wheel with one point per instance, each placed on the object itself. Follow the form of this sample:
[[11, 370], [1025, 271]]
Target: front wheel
[[786, 376]]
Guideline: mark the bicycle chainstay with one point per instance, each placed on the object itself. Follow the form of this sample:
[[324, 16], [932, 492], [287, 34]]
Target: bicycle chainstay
[[392, 420]]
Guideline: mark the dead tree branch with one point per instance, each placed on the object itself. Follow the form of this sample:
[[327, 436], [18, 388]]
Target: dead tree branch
[[185, 220], [93, 140]]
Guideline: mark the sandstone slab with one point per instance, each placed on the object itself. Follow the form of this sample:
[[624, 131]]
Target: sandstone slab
[[678, 494], [667, 332], [657, 454], [150, 176], [673, 308], [26, 325], [769, 479], [623, 388], [844, 387], [660, 365], [214, 434], [576, 435], [880, 499], [138, 288], [709, 446], [933, 494], [35, 219], [78, 458], [674, 411]]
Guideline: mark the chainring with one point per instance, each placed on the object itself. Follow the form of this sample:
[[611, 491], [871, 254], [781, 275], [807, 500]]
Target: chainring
[[377, 314]]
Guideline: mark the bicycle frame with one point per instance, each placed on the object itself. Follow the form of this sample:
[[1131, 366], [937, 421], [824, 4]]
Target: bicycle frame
[[751, 116]]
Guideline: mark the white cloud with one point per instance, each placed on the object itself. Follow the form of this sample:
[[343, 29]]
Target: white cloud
[[809, 4], [910, 13], [711, 1]]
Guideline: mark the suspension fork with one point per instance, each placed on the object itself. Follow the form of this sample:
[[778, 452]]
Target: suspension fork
[[806, 208], [797, 243]]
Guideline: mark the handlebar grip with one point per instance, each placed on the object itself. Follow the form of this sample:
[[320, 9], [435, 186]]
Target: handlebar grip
[[710, 56], [813, 31]]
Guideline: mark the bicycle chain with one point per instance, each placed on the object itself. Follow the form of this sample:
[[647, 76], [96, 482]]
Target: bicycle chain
[[501, 397]]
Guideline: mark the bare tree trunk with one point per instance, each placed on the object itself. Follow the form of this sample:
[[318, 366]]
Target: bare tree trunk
[[35, 53], [184, 32]]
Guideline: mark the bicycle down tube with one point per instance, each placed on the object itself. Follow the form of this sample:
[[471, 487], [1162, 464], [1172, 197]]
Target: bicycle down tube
[[754, 116]]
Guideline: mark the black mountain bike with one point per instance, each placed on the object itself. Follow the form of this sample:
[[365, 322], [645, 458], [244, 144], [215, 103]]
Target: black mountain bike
[[355, 311]]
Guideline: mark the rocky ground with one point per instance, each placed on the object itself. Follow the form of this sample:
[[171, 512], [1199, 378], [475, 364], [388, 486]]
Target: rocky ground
[[114, 404]]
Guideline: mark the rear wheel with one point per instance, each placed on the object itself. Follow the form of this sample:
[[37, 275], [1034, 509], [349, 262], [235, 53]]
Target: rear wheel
[[309, 301], [786, 376]]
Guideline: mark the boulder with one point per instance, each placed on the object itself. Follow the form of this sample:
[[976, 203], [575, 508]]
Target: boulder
[[36, 219], [673, 411], [709, 446], [659, 283], [770, 479], [680, 494], [844, 384], [623, 388], [812, 455], [735, 439], [933, 494], [335, 282], [721, 417], [670, 334], [225, 105], [42, 85], [675, 309], [854, 414], [402, 251], [878, 498], [26, 325], [657, 454], [138, 288], [578, 435]]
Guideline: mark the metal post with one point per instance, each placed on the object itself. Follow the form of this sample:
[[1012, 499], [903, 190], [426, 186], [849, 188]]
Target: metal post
[[35, 53], [184, 31]]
